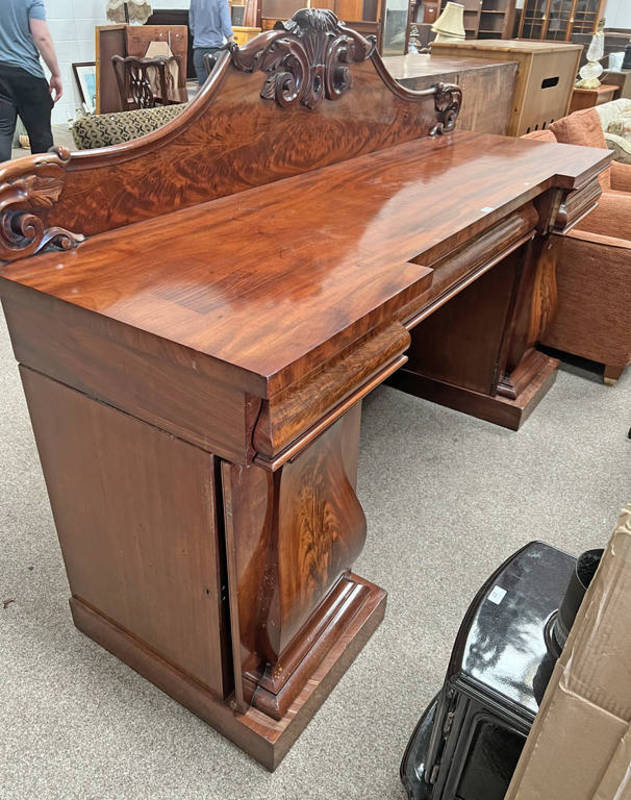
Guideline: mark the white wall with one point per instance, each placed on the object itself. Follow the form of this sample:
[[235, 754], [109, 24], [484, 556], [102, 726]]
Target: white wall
[[618, 14], [72, 24]]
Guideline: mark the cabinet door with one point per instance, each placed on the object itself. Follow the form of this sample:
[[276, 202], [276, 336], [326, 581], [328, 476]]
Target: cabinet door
[[585, 16], [135, 511], [533, 19], [559, 20]]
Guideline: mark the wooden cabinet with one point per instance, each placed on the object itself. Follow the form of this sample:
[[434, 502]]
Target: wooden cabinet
[[559, 20], [544, 81], [487, 19], [471, 16], [132, 40], [478, 78], [588, 98], [242, 34], [368, 17], [165, 556], [497, 18]]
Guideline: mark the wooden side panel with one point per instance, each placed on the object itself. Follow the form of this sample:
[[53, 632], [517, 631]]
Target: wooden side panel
[[230, 138], [594, 286], [544, 104], [149, 378], [110, 41], [149, 564]]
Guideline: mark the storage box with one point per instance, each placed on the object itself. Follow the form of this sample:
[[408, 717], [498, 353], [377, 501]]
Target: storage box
[[543, 89], [579, 747]]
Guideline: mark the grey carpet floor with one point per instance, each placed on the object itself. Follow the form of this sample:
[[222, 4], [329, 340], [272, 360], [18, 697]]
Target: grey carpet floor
[[447, 498]]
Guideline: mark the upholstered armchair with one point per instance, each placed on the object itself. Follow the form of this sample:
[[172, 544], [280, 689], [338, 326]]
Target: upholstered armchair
[[105, 130], [615, 119], [593, 261]]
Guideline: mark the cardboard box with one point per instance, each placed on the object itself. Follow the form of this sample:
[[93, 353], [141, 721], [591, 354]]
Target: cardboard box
[[579, 747]]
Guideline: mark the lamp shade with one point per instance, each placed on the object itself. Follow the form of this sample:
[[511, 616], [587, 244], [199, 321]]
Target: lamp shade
[[450, 24], [138, 10]]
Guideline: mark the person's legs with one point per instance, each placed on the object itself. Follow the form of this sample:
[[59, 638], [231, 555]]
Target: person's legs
[[199, 62], [8, 116], [34, 105]]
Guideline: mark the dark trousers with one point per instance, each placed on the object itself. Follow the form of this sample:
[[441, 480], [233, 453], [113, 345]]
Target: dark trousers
[[28, 96], [198, 61]]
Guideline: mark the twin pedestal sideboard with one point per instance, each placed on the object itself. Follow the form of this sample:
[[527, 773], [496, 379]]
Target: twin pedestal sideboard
[[197, 315]]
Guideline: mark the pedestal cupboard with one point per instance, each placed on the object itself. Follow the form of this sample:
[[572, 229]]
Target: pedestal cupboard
[[198, 314]]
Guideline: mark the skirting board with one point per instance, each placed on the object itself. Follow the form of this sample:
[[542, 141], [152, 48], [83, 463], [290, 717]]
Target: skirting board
[[265, 739], [499, 410]]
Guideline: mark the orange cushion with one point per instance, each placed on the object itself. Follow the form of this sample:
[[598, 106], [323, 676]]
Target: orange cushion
[[612, 216], [542, 136], [583, 128], [620, 176]]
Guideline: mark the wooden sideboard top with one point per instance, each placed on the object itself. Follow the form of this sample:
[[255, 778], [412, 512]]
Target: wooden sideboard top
[[264, 279], [421, 65]]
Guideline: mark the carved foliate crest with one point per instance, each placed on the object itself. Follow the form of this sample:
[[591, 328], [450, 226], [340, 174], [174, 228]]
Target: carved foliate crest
[[26, 185], [307, 58]]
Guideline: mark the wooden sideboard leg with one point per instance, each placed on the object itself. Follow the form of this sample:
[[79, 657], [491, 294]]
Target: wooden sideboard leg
[[139, 518], [612, 373], [475, 354], [292, 536], [264, 739]]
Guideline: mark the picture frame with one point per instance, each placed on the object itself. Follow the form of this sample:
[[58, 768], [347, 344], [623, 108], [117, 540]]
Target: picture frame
[[85, 76], [237, 14]]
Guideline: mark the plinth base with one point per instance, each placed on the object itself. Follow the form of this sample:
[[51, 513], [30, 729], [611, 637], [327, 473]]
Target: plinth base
[[504, 411], [265, 739]]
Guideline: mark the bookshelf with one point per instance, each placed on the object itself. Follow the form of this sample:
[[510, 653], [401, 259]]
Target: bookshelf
[[487, 19], [558, 20]]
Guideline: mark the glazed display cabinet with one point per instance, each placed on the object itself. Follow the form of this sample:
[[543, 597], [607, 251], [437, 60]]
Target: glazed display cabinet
[[559, 20]]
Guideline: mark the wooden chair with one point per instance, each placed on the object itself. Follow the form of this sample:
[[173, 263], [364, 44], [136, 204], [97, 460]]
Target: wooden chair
[[593, 261], [139, 78]]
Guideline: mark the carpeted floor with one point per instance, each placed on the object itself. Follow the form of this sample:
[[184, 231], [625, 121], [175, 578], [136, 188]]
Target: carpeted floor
[[447, 499]]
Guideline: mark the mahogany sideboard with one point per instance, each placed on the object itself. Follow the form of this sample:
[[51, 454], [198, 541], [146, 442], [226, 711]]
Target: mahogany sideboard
[[197, 315]]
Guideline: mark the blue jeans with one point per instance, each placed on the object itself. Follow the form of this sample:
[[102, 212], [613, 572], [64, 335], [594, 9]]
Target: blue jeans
[[198, 61]]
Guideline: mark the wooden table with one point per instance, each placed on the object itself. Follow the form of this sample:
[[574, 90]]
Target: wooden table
[[588, 98], [194, 368], [620, 78], [481, 81]]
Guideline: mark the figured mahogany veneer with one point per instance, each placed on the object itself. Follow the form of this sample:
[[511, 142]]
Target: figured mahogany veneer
[[198, 315]]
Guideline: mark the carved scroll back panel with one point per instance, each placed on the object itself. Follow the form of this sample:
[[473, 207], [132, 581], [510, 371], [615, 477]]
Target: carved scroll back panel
[[239, 141]]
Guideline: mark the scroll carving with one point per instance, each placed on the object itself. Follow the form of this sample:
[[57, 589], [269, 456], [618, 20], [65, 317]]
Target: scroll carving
[[307, 58], [27, 185], [447, 102]]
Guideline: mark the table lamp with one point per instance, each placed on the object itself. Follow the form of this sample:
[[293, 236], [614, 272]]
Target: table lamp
[[450, 26], [591, 72]]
